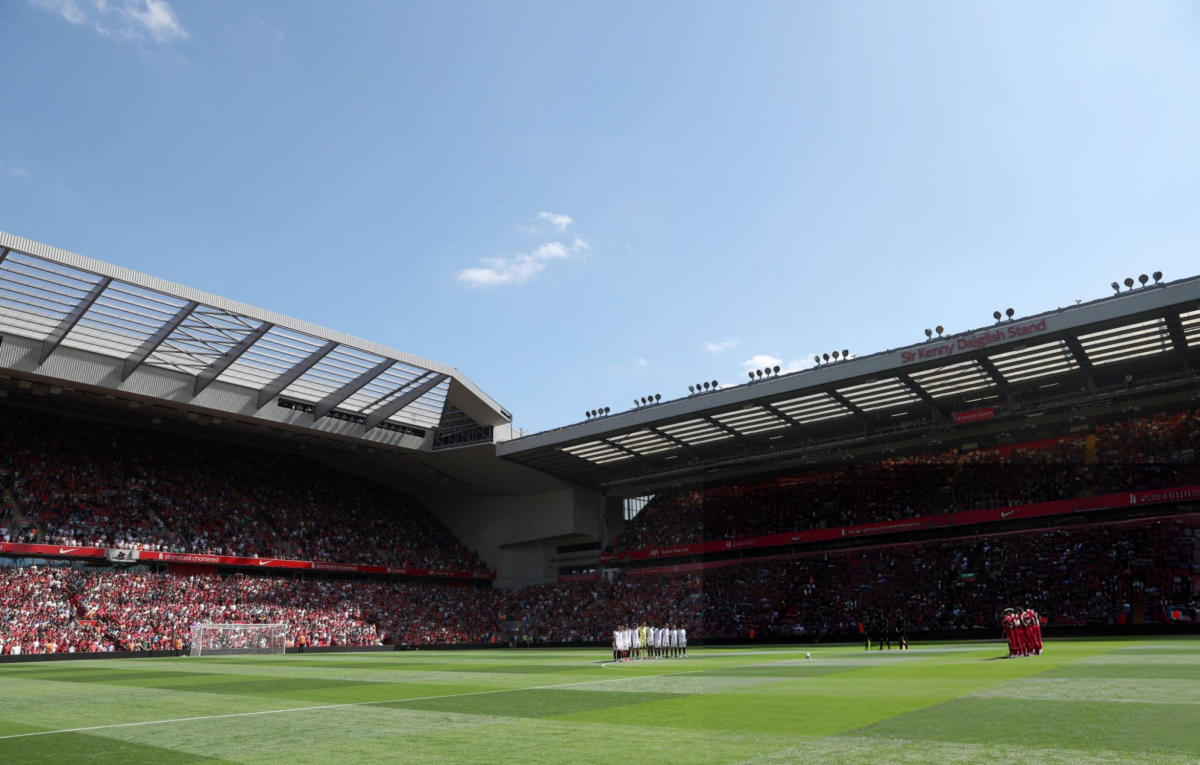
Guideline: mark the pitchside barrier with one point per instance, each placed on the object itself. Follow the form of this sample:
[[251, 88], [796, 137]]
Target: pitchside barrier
[[1178, 629]]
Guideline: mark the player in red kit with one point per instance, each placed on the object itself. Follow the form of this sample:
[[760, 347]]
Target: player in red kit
[[1009, 623], [1033, 631]]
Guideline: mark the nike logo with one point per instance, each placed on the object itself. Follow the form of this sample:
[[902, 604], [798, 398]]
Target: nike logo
[[265, 562], [1007, 513], [65, 550]]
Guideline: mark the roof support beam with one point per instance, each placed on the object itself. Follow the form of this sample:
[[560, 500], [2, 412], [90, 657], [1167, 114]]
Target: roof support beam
[[72, 318], [922, 394], [838, 397], [667, 436], [993, 372], [619, 448], [4, 254], [150, 345], [376, 418], [784, 416], [214, 370], [1078, 352], [326, 405], [277, 386], [1081, 357], [911, 384], [717, 424], [1174, 329]]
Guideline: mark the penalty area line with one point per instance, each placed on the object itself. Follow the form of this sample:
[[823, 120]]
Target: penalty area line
[[310, 708]]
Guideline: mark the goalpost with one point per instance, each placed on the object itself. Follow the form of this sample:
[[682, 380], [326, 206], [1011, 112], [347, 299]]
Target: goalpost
[[238, 638]]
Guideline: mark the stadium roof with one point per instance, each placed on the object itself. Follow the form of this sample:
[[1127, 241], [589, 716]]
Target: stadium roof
[[1138, 339], [61, 303]]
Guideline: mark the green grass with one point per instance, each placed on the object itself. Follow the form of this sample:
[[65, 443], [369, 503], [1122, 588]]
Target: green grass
[[1084, 701]]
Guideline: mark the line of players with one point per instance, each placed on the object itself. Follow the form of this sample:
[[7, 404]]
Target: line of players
[[1024, 632], [644, 642]]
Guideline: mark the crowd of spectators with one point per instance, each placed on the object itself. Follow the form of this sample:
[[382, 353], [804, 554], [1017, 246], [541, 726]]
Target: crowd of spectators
[[1100, 575], [1146, 452], [84, 483], [58, 609], [587, 611], [37, 614]]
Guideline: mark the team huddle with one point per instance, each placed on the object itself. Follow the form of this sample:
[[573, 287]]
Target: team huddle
[[649, 642], [1024, 632]]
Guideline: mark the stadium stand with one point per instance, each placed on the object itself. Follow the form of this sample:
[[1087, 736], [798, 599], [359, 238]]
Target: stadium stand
[[124, 522], [96, 484], [1093, 576], [1139, 453], [1072, 577], [48, 609]]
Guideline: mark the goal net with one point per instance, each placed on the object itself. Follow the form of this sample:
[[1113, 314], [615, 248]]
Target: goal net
[[208, 639]]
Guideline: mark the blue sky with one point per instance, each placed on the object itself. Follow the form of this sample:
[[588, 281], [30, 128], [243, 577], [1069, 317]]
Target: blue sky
[[579, 205]]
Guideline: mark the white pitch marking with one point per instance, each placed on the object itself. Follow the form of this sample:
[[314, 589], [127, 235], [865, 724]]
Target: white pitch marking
[[323, 706]]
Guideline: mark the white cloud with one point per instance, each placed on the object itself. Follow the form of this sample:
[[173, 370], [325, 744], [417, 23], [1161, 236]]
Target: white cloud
[[641, 363], [13, 172], [720, 347], [121, 19], [765, 360], [559, 222], [520, 268]]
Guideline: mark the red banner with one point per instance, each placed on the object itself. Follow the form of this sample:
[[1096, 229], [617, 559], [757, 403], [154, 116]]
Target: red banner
[[148, 556], [975, 415], [578, 577], [51, 551], [961, 518]]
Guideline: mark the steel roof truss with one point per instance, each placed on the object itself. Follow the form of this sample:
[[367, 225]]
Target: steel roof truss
[[213, 370], [375, 418], [276, 386], [71, 319], [138, 357], [326, 405]]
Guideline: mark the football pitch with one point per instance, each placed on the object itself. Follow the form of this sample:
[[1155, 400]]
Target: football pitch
[[1084, 701]]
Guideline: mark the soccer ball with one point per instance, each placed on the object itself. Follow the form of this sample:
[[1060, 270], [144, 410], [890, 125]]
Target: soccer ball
[[807, 655]]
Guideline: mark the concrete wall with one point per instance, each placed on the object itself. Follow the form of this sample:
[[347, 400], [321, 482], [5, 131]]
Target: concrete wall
[[505, 531]]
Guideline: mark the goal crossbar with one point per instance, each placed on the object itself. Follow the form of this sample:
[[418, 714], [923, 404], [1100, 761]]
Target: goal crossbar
[[226, 639]]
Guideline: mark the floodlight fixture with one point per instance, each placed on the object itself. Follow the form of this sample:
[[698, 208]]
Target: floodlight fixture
[[1116, 287], [691, 389], [715, 385], [658, 397], [1143, 279], [826, 356], [939, 330], [607, 410], [1129, 282], [845, 354], [929, 333], [996, 314], [1157, 277], [751, 375], [1009, 313], [776, 369], [817, 359], [836, 355]]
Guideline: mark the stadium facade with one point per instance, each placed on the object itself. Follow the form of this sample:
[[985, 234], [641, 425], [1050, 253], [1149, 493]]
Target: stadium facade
[[84, 336]]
